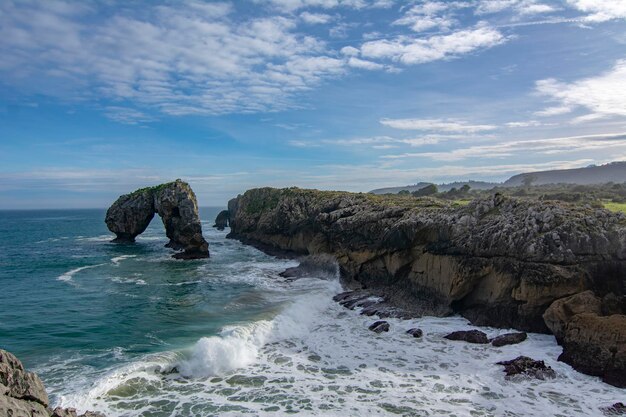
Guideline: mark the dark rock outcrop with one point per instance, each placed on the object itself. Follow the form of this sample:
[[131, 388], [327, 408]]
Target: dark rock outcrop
[[318, 266], [524, 365], [469, 336], [22, 393], [497, 261], [175, 203], [379, 326], [415, 332], [509, 339], [221, 221], [593, 342], [617, 409]]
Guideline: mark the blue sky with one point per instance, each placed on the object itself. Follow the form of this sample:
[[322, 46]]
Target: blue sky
[[100, 98]]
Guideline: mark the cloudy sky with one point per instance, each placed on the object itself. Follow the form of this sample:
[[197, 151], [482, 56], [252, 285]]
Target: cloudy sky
[[100, 97]]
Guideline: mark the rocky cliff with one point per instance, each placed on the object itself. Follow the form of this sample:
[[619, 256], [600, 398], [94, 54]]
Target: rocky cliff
[[175, 203], [22, 393], [498, 261]]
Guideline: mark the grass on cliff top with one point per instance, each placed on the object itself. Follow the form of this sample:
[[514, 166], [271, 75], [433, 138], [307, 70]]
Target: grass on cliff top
[[266, 199], [154, 188], [617, 207]]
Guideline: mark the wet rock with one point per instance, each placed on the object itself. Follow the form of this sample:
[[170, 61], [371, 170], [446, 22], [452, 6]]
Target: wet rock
[[617, 409], [509, 339], [470, 336], [20, 384], [175, 203], [592, 343], [415, 332], [314, 266], [524, 365], [379, 326], [22, 393], [221, 221]]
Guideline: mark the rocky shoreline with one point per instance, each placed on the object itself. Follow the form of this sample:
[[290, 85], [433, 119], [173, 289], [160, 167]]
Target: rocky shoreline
[[22, 394], [502, 262]]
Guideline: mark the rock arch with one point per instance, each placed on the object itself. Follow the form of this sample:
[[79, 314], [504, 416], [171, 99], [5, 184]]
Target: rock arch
[[175, 203]]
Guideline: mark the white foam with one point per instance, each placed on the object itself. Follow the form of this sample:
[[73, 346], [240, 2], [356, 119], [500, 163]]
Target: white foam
[[69, 274], [116, 261]]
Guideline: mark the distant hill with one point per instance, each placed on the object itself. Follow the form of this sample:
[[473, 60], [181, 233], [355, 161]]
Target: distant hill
[[600, 174], [475, 185]]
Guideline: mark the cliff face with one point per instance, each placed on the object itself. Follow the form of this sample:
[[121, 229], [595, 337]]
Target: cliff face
[[499, 261], [175, 203]]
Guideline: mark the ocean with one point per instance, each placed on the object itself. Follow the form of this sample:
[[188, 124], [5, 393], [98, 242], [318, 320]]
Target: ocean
[[129, 331]]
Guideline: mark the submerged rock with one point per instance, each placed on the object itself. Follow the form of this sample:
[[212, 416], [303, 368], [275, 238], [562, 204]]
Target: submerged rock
[[509, 339], [22, 393], [379, 326], [175, 203], [470, 336], [221, 221], [617, 409], [415, 332], [524, 365]]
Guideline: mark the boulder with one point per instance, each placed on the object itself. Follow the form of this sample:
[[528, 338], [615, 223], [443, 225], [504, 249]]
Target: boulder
[[524, 365], [415, 332], [470, 336], [592, 342], [177, 206], [221, 221], [617, 409], [509, 339], [379, 326]]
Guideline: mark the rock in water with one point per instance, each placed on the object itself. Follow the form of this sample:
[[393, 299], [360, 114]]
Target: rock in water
[[509, 339], [221, 221], [593, 343], [379, 326], [469, 336], [415, 332], [175, 203], [524, 365], [22, 393]]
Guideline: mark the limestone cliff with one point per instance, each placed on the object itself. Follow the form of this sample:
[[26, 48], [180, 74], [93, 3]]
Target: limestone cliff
[[498, 261], [175, 203], [22, 393]]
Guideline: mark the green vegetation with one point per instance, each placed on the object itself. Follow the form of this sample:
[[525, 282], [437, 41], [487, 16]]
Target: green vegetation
[[617, 207], [153, 189]]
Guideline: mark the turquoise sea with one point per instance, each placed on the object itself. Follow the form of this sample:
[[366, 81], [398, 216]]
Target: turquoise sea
[[127, 330]]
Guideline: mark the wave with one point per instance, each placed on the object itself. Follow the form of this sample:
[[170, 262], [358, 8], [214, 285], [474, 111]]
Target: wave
[[116, 261], [70, 274]]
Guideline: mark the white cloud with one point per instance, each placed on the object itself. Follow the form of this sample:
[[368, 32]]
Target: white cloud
[[442, 125], [363, 64], [553, 111], [600, 10], [521, 7], [409, 50], [587, 143], [528, 123], [315, 18], [185, 59], [375, 142], [603, 95], [291, 5], [428, 15]]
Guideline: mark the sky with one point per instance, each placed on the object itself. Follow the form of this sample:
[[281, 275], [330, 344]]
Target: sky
[[98, 98]]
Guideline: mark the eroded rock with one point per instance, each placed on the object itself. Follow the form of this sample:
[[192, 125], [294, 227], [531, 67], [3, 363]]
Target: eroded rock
[[470, 336], [415, 332], [221, 221], [593, 343], [524, 365], [314, 266], [379, 326], [175, 203], [509, 339]]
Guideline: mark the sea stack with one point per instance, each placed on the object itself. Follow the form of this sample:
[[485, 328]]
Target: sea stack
[[176, 204]]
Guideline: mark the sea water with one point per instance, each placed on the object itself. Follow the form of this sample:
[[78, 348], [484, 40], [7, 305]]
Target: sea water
[[129, 331]]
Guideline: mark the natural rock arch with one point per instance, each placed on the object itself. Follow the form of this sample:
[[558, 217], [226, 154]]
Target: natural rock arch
[[175, 203]]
